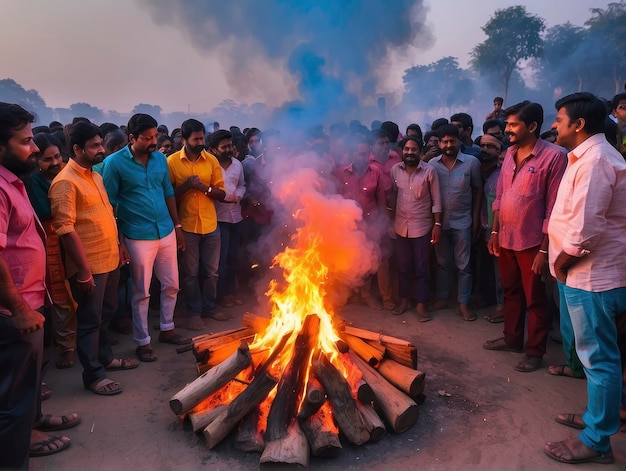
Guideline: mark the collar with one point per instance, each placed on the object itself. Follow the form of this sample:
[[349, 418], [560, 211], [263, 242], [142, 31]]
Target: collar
[[72, 164], [580, 150], [420, 165], [9, 176]]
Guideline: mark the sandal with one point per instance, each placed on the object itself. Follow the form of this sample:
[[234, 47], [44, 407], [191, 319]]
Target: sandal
[[42, 448], [562, 370], [528, 364], [570, 421], [560, 451], [104, 387], [493, 318], [66, 360], [145, 354], [175, 339], [45, 392], [500, 345], [45, 423], [122, 364]]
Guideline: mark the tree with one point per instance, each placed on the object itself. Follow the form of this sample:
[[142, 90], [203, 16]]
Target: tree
[[440, 85], [12, 92], [86, 110], [607, 30], [513, 36], [152, 110]]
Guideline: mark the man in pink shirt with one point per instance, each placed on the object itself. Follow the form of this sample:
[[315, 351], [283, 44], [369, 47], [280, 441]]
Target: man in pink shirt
[[587, 233], [525, 194]]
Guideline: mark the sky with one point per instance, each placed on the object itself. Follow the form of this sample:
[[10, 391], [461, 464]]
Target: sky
[[117, 54]]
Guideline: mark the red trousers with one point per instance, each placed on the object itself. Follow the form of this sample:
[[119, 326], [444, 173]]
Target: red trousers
[[523, 290]]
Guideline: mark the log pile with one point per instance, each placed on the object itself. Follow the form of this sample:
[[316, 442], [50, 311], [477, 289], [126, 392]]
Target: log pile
[[291, 412]]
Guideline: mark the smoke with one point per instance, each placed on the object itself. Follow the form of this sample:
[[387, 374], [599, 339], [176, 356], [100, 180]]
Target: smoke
[[334, 51]]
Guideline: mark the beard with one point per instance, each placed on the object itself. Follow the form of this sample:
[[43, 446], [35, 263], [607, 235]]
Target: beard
[[20, 168], [485, 157]]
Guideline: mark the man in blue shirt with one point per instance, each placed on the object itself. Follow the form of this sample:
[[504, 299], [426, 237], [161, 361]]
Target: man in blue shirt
[[138, 183]]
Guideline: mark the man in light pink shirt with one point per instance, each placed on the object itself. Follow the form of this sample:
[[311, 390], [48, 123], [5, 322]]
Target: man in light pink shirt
[[587, 233], [525, 194]]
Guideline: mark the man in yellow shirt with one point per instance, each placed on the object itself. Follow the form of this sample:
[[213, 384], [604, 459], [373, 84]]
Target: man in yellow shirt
[[197, 180], [83, 219]]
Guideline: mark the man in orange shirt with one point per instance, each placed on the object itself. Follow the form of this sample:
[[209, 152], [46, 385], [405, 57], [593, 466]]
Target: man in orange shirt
[[83, 218], [197, 180]]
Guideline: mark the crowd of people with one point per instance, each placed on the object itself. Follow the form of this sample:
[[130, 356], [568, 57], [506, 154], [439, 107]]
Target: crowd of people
[[100, 222]]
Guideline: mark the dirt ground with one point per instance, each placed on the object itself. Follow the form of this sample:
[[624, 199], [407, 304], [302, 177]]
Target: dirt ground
[[494, 419]]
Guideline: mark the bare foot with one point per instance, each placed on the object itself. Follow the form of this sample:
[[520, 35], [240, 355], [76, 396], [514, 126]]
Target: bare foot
[[574, 451], [422, 313], [464, 311], [561, 370]]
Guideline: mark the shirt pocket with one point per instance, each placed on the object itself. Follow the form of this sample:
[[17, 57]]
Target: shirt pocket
[[530, 181]]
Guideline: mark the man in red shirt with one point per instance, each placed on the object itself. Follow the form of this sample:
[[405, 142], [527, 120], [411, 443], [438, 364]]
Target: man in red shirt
[[525, 194]]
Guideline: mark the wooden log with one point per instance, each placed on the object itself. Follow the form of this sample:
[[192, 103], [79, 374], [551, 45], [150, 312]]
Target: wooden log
[[314, 398], [291, 385], [370, 354], [404, 355], [399, 409], [373, 422], [364, 392], [406, 379], [369, 335], [257, 323], [323, 440], [200, 420], [249, 437], [345, 410], [211, 344], [288, 452], [206, 384], [221, 353], [241, 406]]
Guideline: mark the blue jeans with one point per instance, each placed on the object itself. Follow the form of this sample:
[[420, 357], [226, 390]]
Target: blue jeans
[[198, 270], [454, 244], [229, 258], [592, 320]]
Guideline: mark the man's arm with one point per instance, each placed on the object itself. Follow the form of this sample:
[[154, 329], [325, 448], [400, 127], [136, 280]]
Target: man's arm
[[171, 207], [74, 250], [24, 318]]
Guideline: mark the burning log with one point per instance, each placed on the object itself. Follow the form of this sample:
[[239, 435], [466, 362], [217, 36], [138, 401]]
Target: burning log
[[408, 380], [368, 353], [242, 405], [202, 344], [369, 335], [400, 410], [314, 398], [373, 422], [323, 439], [209, 382], [345, 410], [256, 323], [364, 392], [249, 437], [288, 452], [285, 404], [200, 420]]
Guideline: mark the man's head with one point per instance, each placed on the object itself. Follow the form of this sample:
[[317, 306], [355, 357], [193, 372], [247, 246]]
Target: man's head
[[381, 145], [449, 140], [618, 106], [17, 149], [359, 150], [495, 127], [49, 156], [411, 148], [85, 141], [142, 133], [392, 129], [162, 130], [221, 145], [165, 145], [240, 143], [55, 126], [414, 129], [579, 116], [490, 148], [523, 123], [464, 122], [114, 141], [216, 126], [192, 132], [497, 103], [255, 141]]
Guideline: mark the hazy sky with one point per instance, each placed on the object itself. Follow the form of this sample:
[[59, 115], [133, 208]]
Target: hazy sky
[[114, 55]]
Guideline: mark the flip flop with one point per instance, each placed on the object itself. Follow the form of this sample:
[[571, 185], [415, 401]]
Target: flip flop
[[570, 421], [125, 364], [600, 458], [493, 319], [41, 448], [145, 354], [99, 387], [66, 422]]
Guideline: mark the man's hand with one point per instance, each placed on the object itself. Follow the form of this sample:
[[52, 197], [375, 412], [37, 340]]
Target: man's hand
[[493, 245], [85, 281], [28, 321], [435, 236], [180, 239], [194, 182], [539, 263], [124, 255]]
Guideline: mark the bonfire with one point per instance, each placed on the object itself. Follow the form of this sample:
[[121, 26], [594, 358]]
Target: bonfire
[[296, 382]]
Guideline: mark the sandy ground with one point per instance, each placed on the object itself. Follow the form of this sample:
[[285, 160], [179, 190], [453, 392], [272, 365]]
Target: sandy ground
[[494, 419]]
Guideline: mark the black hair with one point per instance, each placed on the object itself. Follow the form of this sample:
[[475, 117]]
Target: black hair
[[448, 130], [616, 99], [12, 118], [428, 135], [162, 139], [190, 126], [585, 106], [163, 128], [140, 122], [392, 128], [415, 139], [80, 133], [415, 127], [114, 140], [106, 128], [41, 129], [491, 123], [55, 126], [44, 140], [528, 112], [379, 134], [463, 118], [498, 99], [438, 123], [217, 137]]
